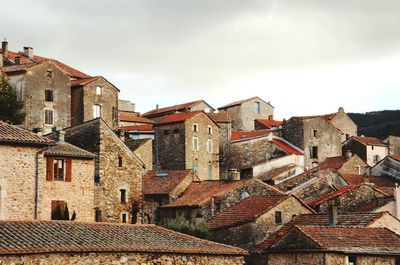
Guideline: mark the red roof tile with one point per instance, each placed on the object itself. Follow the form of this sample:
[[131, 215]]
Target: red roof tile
[[71, 71], [177, 108], [133, 117], [245, 211], [14, 134], [331, 195], [369, 140], [138, 128], [12, 55], [269, 123], [163, 185], [332, 162], [285, 147], [220, 117], [248, 135], [178, 117], [83, 81], [32, 237], [397, 157], [378, 181]]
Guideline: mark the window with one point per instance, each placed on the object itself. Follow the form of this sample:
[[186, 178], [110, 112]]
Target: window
[[195, 144], [257, 107], [97, 215], [352, 260], [210, 171], [99, 90], [314, 152], [48, 116], [0, 200], [122, 193], [58, 169], [48, 95], [97, 178], [195, 127], [209, 130], [124, 217], [209, 146], [314, 133], [372, 147], [49, 74], [376, 158], [278, 217], [96, 111], [119, 161], [59, 210]]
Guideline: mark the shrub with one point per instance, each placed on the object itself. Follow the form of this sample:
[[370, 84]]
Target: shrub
[[181, 224]]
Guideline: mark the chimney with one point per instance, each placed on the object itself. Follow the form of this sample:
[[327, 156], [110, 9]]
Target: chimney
[[156, 106], [397, 199], [341, 110], [4, 48], [28, 52], [333, 212], [349, 154], [234, 175], [17, 60], [61, 136]]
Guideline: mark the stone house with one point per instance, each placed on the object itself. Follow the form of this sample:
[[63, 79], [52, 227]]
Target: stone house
[[393, 143], [343, 123], [369, 149], [95, 243], [118, 172], [316, 136], [162, 187], [158, 113], [348, 164], [203, 199], [248, 222], [92, 98], [267, 124], [143, 149], [388, 167], [244, 112], [51, 176], [188, 140]]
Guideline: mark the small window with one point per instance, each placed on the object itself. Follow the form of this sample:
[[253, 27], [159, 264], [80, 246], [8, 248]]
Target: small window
[[124, 217], [49, 74], [97, 215], [314, 152], [59, 169], [314, 133], [195, 127], [99, 90], [96, 111], [120, 161], [176, 131], [209, 129], [97, 178], [48, 95], [209, 146], [377, 158], [352, 260], [195, 144], [122, 193], [278, 217], [257, 107], [48, 116], [59, 210], [372, 147]]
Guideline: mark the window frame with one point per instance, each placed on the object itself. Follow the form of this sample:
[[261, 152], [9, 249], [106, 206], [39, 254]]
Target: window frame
[[124, 215], [257, 107], [314, 152], [278, 217], [48, 95], [123, 196], [195, 127], [99, 90], [209, 130], [210, 146], [46, 111], [97, 108], [195, 140]]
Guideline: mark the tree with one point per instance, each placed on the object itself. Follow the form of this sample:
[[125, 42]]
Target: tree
[[10, 107]]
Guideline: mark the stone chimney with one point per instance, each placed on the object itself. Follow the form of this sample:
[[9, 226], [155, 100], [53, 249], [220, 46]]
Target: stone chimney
[[341, 110], [234, 175], [397, 199], [333, 212], [349, 154], [17, 60], [156, 106], [4, 48], [28, 52]]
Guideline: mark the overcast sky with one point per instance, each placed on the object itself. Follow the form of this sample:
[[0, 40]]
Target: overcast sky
[[306, 57]]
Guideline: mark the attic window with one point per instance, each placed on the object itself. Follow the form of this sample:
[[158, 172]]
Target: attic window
[[49, 74], [278, 217], [99, 90]]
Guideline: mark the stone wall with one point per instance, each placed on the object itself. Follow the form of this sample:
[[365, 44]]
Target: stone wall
[[345, 124], [355, 165], [394, 145], [126, 258], [145, 154], [225, 130]]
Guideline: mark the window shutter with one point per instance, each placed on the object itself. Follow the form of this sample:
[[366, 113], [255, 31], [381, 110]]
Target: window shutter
[[50, 169], [68, 170]]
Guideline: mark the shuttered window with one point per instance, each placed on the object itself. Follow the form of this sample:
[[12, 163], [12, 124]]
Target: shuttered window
[[58, 169]]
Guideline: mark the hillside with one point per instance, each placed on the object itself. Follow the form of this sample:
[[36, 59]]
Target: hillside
[[378, 123]]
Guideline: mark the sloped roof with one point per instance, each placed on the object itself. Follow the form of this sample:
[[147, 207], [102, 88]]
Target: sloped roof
[[178, 117], [245, 211], [344, 220], [138, 128], [332, 162], [269, 123], [286, 147], [68, 150], [134, 144], [273, 173], [220, 117], [368, 140], [249, 134], [239, 102], [372, 205], [83, 81], [32, 237], [378, 181], [14, 134], [341, 239], [133, 117], [163, 185], [171, 109]]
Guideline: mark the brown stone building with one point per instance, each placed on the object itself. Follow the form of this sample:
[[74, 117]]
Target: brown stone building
[[348, 164], [188, 140], [248, 222], [40, 179], [394, 145], [118, 172], [66, 243], [244, 112], [143, 149], [369, 149]]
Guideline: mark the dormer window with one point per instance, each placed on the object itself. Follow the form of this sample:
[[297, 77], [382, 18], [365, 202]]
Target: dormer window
[[99, 90]]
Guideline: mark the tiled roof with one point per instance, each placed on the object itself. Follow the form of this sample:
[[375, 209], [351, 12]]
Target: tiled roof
[[178, 117], [171, 109], [68, 150], [248, 135], [83, 81], [273, 173], [133, 117], [12, 55], [163, 185], [32, 237], [342, 239], [71, 71], [18, 67], [397, 157], [344, 220], [332, 162], [378, 181], [138, 128], [200, 193], [285, 147], [371, 205], [369, 140], [14, 134], [134, 144], [245, 211], [220, 117], [269, 123]]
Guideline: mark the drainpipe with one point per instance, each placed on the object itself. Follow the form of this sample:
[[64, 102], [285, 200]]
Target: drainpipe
[[37, 182]]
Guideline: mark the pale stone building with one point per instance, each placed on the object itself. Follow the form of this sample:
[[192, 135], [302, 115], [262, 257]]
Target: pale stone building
[[369, 149]]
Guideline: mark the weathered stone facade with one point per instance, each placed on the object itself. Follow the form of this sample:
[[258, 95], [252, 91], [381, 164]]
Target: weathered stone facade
[[120, 258], [370, 153], [144, 152], [85, 95], [118, 172], [344, 123], [354, 165], [31, 87], [394, 145]]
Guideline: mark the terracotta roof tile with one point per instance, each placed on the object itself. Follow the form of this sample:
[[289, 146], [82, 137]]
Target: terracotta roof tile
[[71, 71], [133, 117], [178, 117], [248, 135], [276, 172], [332, 162], [220, 117], [378, 181], [12, 55], [83, 81], [245, 211], [176, 108], [18, 67], [397, 157], [163, 185], [138, 128], [68, 150], [369, 140], [14, 134], [56, 236], [269, 123], [285, 147]]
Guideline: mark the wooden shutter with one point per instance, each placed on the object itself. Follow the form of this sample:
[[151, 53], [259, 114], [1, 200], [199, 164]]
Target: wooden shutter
[[50, 169], [68, 170]]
